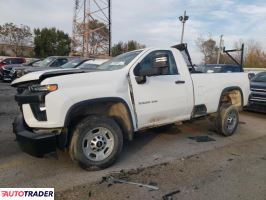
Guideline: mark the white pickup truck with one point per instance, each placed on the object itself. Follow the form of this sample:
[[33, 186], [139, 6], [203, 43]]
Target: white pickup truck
[[91, 113]]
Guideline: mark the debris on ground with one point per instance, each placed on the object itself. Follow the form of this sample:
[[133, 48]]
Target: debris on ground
[[234, 154], [195, 187], [112, 180], [2, 113], [202, 138], [263, 158], [212, 131], [152, 183], [193, 177], [170, 195]]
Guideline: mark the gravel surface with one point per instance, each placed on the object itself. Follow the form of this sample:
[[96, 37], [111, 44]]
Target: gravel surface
[[150, 148], [236, 171]]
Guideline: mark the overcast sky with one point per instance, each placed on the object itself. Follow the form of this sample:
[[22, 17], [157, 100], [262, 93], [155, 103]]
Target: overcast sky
[[153, 22]]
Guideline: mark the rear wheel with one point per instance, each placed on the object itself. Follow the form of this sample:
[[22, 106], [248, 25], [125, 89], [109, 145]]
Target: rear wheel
[[96, 143], [227, 120]]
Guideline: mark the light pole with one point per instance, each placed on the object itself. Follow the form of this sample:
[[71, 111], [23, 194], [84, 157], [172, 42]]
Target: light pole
[[183, 20], [220, 49]]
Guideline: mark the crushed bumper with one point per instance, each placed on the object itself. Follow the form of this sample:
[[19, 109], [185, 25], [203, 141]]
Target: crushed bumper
[[6, 78], [35, 144], [6, 75]]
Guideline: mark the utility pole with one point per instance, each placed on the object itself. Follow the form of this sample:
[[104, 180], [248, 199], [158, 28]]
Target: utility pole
[[183, 20], [110, 28], [85, 34], [91, 30], [220, 49]]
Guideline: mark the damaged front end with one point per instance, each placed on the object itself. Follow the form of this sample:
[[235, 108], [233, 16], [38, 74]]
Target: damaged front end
[[34, 141], [35, 144]]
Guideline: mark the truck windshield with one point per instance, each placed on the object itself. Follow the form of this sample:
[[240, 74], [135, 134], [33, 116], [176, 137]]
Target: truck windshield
[[72, 63], [120, 61], [46, 62], [261, 77]]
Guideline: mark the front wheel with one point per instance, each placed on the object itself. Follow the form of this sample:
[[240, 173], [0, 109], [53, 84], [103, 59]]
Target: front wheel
[[227, 120], [96, 142]]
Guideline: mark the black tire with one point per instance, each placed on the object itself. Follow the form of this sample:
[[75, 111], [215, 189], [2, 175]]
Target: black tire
[[227, 120], [85, 129]]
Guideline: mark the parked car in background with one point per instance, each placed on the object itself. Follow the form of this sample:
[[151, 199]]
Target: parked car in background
[[74, 63], [10, 61], [221, 68], [257, 98], [78, 63], [92, 64], [48, 63], [7, 70]]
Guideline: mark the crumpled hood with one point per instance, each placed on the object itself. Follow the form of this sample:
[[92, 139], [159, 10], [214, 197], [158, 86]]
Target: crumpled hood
[[22, 67], [41, 75], [36, 69], [94, 82]]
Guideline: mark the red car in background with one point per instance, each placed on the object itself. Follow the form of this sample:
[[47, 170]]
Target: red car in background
[[9, 61]]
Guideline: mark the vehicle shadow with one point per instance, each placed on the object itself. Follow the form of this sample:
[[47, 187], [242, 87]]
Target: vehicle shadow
[[260, 114], [144, 140]]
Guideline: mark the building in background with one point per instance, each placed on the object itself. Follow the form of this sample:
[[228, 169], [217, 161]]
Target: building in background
[[7, 50]]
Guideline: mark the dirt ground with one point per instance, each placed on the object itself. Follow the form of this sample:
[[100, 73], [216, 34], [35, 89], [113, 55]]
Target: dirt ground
[[236, 171], [224, 168]]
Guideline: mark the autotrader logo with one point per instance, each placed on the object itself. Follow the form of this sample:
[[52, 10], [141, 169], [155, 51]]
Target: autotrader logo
[[27, 193]]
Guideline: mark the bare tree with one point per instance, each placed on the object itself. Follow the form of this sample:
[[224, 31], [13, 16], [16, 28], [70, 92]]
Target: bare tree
[[16, 36], [209, 49], [122, 47], [255, 56]]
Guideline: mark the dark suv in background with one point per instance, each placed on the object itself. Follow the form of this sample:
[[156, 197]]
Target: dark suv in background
[[257, 98]]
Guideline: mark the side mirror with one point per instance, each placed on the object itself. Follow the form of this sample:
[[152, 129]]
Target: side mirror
[[150, 72], [159, 65], [143, 73], [141, 79], [4, 62], [251, 75]]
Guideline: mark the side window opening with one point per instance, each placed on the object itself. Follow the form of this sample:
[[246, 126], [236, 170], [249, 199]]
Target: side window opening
[[59, 62], [147, 62], [17, 61], [8, 61], [172, 65]]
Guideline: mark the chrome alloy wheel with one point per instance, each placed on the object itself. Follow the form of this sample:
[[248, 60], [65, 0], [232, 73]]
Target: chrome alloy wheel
[[230, 121], [98, 144]]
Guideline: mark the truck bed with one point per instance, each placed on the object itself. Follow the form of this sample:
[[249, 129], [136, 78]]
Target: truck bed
[[210, 85]]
